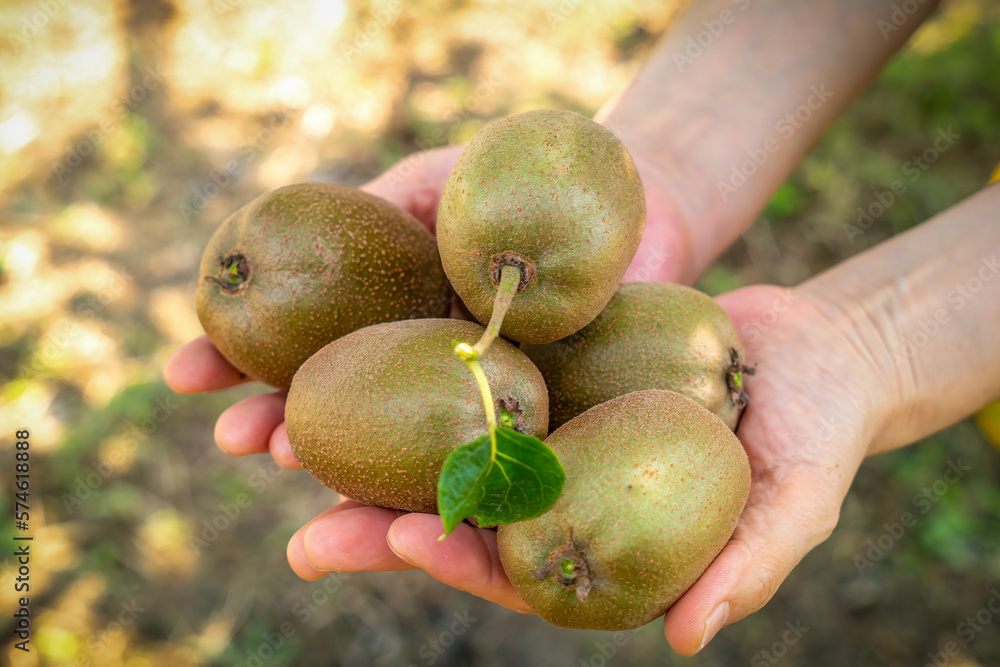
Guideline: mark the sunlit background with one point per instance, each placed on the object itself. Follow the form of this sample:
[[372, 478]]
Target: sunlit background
[[128, 131]]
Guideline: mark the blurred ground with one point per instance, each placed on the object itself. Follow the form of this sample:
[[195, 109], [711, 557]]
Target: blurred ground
[[129, 131]]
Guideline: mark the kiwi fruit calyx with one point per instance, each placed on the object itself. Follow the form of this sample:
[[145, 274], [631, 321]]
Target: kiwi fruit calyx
[[567, 567], [509, 413], [734, 379], [235, 272]]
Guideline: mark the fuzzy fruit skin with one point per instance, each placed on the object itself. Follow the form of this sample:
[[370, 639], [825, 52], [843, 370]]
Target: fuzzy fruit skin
[[649, 336], [325, 260], [654, 487], [374, 415], [557, 188]]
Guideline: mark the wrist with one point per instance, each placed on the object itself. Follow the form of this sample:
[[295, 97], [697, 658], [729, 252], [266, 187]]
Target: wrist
[[684, 212], [810, 370], [669, 251], [925, 321], [864, 333]]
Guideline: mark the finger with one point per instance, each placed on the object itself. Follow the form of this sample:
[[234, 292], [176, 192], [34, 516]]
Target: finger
[[246, 427], [197, 366], [467, 559], [772, 537], [744, 304], [296, 553], [414, 184], [352, 540], [281, 449]]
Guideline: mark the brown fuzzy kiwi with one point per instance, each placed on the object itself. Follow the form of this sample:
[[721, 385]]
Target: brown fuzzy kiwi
[[374, 415], [305, 264], [649, 336], [655, 485], [556, 195]]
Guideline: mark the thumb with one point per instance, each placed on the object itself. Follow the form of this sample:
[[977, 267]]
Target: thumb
[[788, 518], [665, 251]]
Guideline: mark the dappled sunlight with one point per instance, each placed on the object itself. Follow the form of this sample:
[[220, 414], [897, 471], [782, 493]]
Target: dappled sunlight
[[117, 453], [164, 543], [53, 552], [171, 313], [960, 17], [28, 400], [64, 628], [72, 345], [88, 226], [61, 70]]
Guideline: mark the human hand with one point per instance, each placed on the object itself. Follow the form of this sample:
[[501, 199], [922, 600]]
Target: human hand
[[256, 424], [811, 417]]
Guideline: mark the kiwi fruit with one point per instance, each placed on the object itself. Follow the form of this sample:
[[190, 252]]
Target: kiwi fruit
[[655, 485], [305, 264], [374, 414], [649, 336], [558, 197]]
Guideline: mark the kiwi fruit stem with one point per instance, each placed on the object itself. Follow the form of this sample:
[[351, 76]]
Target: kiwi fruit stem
[[462, 352], [510, 279], [468, 354]]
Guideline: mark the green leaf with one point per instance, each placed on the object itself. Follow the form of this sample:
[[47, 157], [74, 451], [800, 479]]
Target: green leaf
[[521, 481], [460, 486], [525, 481]]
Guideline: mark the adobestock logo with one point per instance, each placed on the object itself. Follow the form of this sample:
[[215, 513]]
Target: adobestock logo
[[365, 35], [924, 500], [406, 168], [84, 487], [957, 297], [34, 23], [785, 127], [967, 632], [229, 512], [913, 169], [755, 328], [434, 650], [696, 45], [779, 648], [93, 137], [655, 259], [605, 651], [218, 180], [901, 13]]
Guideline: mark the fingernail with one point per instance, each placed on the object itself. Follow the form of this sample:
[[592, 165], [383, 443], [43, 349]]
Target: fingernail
[[716, 621]]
